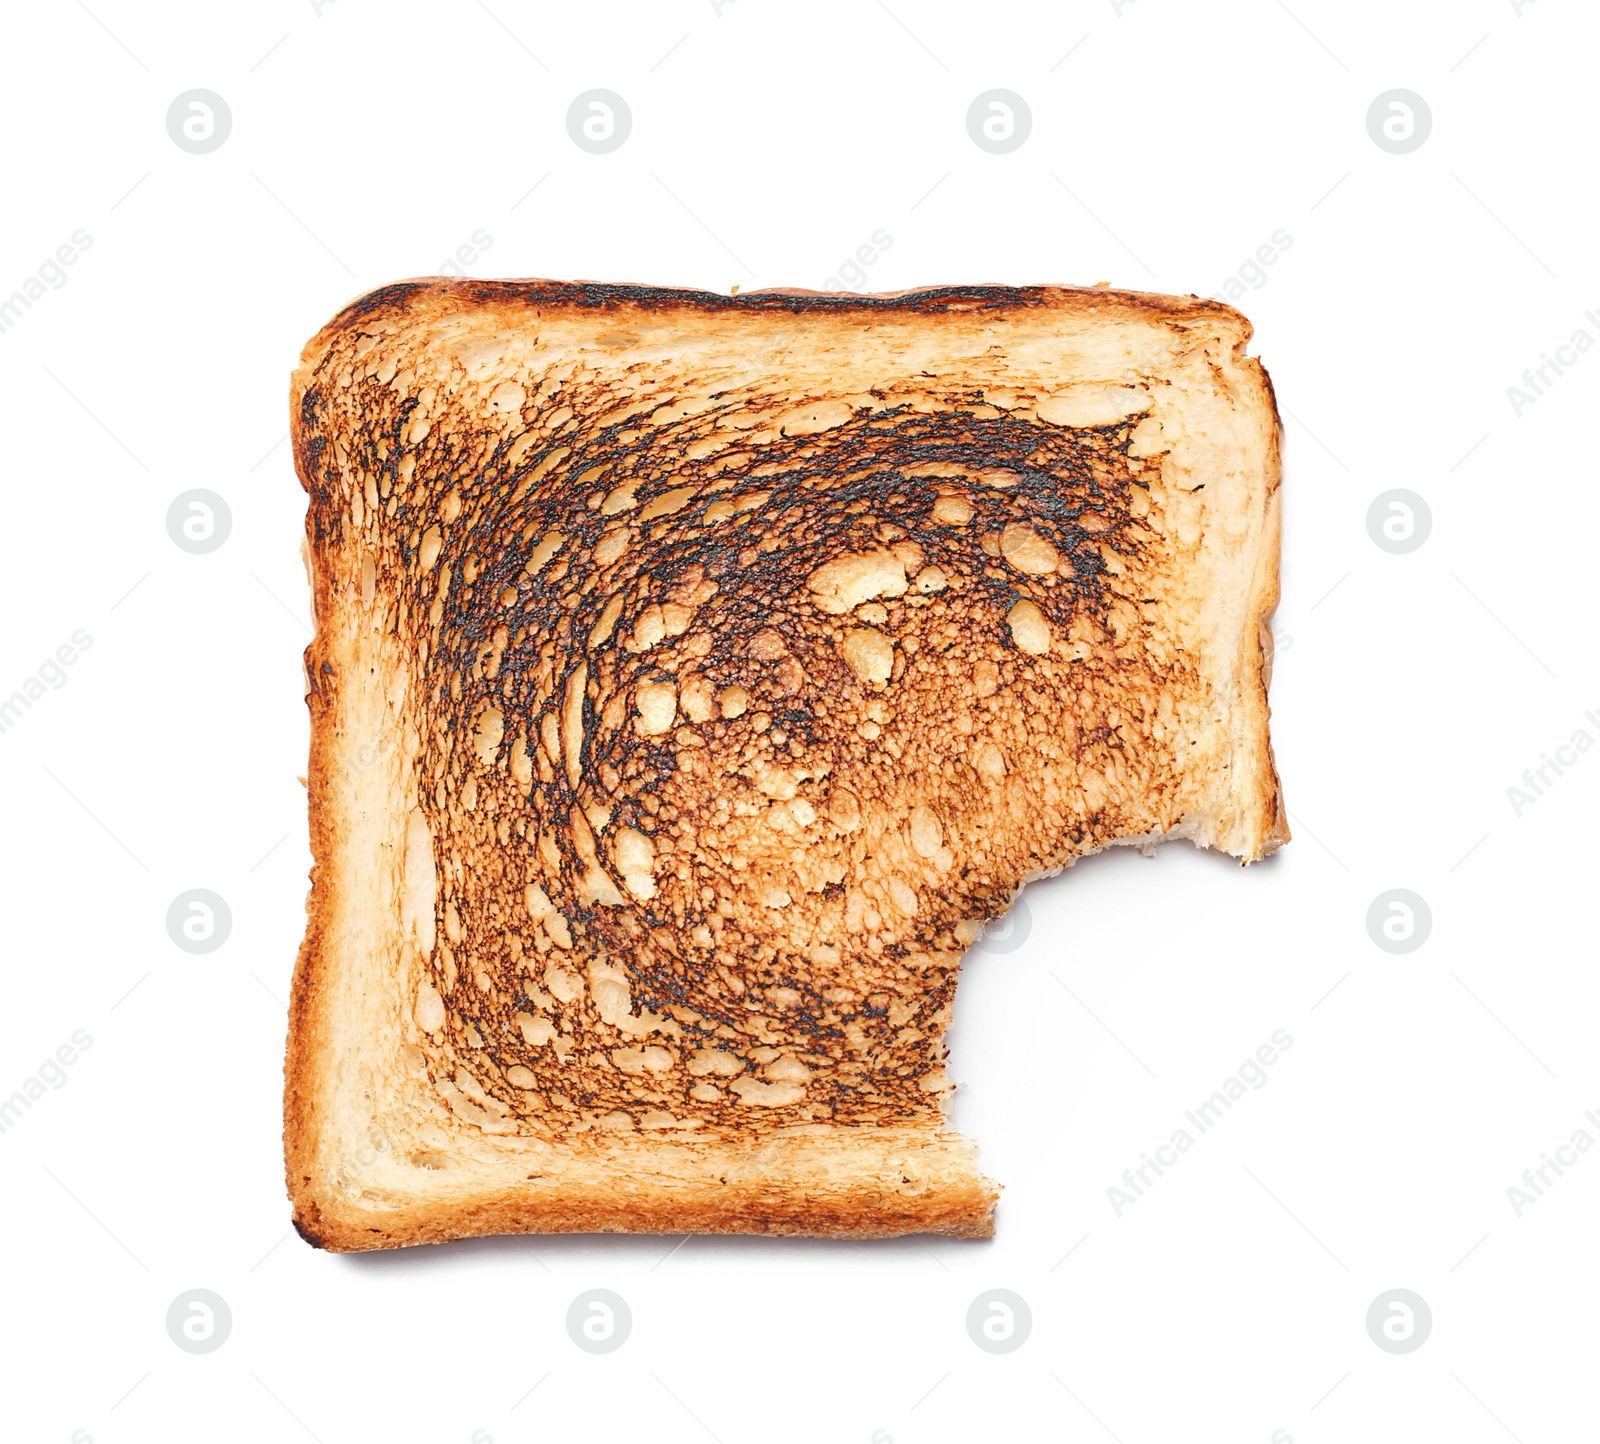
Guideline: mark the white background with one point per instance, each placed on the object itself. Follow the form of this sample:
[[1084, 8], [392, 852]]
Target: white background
[[768, 142]]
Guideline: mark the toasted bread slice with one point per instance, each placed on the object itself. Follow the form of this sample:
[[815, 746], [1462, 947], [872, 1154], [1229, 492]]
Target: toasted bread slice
[[693, 675]]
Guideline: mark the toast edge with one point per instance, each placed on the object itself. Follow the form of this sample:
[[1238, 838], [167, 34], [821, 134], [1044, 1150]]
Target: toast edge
[[778, 1207], [397, 300], [1272, 828]]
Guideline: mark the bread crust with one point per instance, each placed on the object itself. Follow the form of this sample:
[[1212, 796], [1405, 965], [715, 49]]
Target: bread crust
[[399, 1133]]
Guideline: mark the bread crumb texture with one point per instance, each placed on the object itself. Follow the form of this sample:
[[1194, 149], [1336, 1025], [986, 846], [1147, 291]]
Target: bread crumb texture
[[692, 676]]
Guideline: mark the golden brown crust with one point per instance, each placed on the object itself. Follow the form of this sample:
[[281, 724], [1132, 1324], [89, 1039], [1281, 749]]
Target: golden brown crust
[[693, 674], [784, 1205]]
